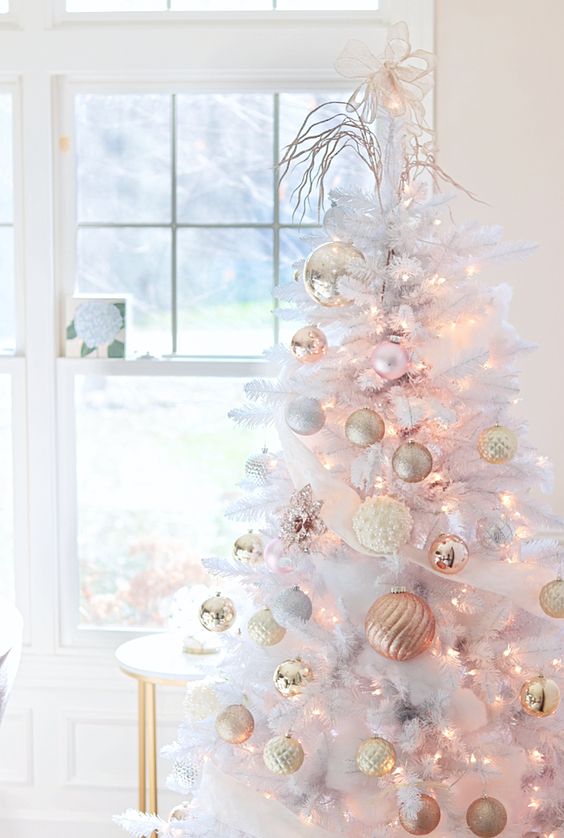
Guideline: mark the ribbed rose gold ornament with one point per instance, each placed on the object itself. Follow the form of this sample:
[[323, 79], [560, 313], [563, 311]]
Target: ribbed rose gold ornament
[[425, 821], [400, 625], [486, 817]]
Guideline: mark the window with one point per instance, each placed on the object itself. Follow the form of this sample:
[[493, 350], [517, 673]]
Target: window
[[6, 489], [218, 5], [7, 324]]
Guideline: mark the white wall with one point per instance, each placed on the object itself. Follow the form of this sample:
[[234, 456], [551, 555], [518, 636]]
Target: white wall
[[500, 128]]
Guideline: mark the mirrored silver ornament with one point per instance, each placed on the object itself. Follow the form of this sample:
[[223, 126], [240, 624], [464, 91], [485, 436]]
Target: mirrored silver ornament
[[304, 415], [495, 531], [249, 548], [309, 344], [324, 269], [448, 554], [412, 462]]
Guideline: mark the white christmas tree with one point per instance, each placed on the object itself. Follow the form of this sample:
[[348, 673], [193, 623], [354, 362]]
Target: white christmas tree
[[391, 655]]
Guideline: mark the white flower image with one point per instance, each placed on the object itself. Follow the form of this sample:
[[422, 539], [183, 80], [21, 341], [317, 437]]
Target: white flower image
[[97, 323]]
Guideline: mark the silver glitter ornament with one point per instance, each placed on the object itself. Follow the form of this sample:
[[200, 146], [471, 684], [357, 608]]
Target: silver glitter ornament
[[376, 757], [551, 598], [364, 427], [495, 531], [304, 415], [264, 629], [325, 267], [291, 605], [283, 755], [448, 554], [486, 817], [497, 445], [248, 548], [217, 613], [291, 676], [412, 462], [235, 724], [259, 467], [382, 524], [309, 344], [300, 522], [185, 774]]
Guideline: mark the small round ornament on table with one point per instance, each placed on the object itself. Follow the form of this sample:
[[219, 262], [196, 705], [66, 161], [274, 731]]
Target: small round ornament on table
[[259, 467], [551, 598], [325, 267], [309, 344], [235, 724], [304, 415], [217, 613], [382, 524], [425, 821], [376, 757], [400, 625], [390, 360], [291, 676], [497, 445], [540, 696], [248, 548], [364, 427], [448, 554], [264, 629], [276, 558], [412, 462], [200, 702], [486, 817], [495, 531], [292, 604], [283, 755]]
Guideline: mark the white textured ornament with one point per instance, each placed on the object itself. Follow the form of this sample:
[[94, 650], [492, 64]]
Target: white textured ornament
[[292, 604], [376, 757], [309, 345], [248, 548], [258, 467], [185, 774], [264, 629], [382, 524], [283, 755], [200, 702], [497, 445], [324, 269], [551, 598], [304, 415]]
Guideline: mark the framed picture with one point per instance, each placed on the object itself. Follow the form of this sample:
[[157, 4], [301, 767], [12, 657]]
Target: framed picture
[[96, 326]]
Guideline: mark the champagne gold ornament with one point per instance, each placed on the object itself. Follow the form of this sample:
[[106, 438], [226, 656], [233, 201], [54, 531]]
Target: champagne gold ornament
[[486, 817], [309, 344], [248, 548], [497, 445], [264, 629], [495, 531], [400, 625], [448, 554], [235, 724], [304, 415], [291, 676], [551, 598], [382, 524], [376, 757], [283, 755], [217, 613], [412, 462], [425, 821], [540, 696], [259, 467], [325, 267], [364, 427]]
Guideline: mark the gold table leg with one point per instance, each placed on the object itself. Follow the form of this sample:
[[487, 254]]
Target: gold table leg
[[141, 737], [152, 746]]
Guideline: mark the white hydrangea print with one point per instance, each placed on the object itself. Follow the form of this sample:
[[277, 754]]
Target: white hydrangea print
[[97, 323]]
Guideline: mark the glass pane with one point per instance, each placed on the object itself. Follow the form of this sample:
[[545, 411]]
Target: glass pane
[[7, 282], [123, 151], [6, 161], [294, 245], [6, 490], [220, 5], [115, 5], [225, 147], [157, 463], [135, 262], [328, 5], [4, 7], [224, 291]]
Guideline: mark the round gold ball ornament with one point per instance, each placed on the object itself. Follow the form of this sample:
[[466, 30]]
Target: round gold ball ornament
[[382, 524], [412, 462], [425, 821], [486, 817], [497, 445], [248, 548], [540, 696], [325, 267], [551, 598], [291, 676], [448, 554], [264, 629], [376, 757], [304, 415], [235, 724], [283, 755], [309, 345], [364, 427], [400, 625], [217, 613]]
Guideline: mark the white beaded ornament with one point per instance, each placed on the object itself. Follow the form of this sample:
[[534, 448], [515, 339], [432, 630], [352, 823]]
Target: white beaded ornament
[[382, 524]]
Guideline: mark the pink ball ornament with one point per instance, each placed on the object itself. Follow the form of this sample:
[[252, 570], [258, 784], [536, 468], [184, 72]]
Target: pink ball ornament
[[275, 557], [390, 360]]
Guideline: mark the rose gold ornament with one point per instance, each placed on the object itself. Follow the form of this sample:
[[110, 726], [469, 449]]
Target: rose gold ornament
[[283, 755], [497, 445], [364, 427], [324, 269], [309, 344], [448, 554], [376, 757], [412, 462], [390, 360], [425, 821], [400, 625], [486, 817], [540, 696], [235, 724], [551, 598]]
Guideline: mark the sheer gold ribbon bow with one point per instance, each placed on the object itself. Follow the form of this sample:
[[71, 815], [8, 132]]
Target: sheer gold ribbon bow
[[397, 81]]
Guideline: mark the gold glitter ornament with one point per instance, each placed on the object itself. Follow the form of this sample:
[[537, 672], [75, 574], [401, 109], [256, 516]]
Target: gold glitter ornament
[[291, 676], [235, 724], [200, 702], [283, 755], [448, 554], [364, 427], [376, 757], [400, 625], [325, 267], [540, 696], [248, 548], [382, 524], [497, 445], [264, 629], [425, 821], [486, 817], [551, 598], [309, 344], [217, 613], [412, 462]]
